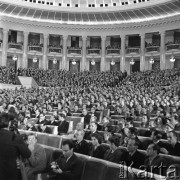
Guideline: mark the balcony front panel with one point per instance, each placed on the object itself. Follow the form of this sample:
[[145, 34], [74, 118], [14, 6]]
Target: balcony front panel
[[173, 47], [94, 51], [75, 51], [35, 48], [152, 49], [55, 50], [113, 51], [15, 46], [132, 50]]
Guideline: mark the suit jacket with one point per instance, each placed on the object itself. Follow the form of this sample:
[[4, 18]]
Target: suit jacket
[[86, 119], [36, 163], [12, 146], [63, 127], [71, 170], [135, 161], [174, 151], [82, 147], [47, 130], [113, 156], [156, 162]]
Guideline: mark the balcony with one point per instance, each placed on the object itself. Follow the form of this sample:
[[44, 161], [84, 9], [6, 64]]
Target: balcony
[[94, 51], [17, 46], [172, 47], [74, 51], [35, 48], [153, 49], [113, 51], [133, 50], [57, 50]]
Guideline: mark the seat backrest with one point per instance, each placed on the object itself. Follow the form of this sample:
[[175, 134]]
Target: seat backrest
[[76, 114], [54, 141], [42, 138], [94, 170]]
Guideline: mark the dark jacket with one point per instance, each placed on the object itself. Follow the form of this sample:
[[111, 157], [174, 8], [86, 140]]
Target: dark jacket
[[72, 169], [82, 147], [174, 151], [135, 161], [12, 146], [63, 127], [113, 156]]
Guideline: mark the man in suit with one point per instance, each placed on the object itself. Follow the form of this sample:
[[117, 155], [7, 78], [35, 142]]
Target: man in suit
[[154, 160], [12, 146], [132, 157], [93, 130], [68, 167], [80, 145], [63, 124], [174, 145], [87, 118], [44, 128], [37, 162]]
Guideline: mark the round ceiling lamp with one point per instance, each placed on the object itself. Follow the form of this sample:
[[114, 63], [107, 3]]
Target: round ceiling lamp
[[151, 61], [54, 61], [74, 62], [14, 58], [172, 59], [112, 63], [93, 62], [35, 59], [132, 61]]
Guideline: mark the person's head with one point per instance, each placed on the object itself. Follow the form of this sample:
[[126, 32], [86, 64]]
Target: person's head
[[106, 120], [144, 119], [93, 126], [132, 145], [156, 135], [76, 107], [4, 120], [79, 135], [93, 109], [174, 120], [152, 150], [84, 112], [172, 137], [43, 126], [96, 139], [52, 118], [41, 117], [113, 141], [79, 126], [132, 132], [32, 139], [67, 148]]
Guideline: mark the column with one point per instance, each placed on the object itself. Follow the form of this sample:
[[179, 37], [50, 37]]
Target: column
[[64, 57], [122, 62], [142, 58], [103, 52], [25, 50], [162, 51], [45, 59], [4, 49], [83, 63]]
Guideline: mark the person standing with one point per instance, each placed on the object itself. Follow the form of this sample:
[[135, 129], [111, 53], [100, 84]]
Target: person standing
[[12, 146]]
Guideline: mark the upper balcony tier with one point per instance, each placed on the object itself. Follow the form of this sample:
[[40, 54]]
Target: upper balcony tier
[[139, 12]]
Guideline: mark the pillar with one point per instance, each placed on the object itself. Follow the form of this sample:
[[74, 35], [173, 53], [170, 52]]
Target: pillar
[[122, 62], [162, 51], [103, 52], [142, 58], [83, 63], [5, 47], [64, 58], [45, 59], [25, 50]]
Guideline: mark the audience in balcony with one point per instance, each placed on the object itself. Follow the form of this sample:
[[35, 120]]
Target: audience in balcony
[[153, 44], [31, 44], [55, 46], [173, 42], [93, 47], [113, 47]]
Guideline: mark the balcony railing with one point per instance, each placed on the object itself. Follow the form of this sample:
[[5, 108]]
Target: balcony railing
[[113, 51], [74, 51], [15, 46], [35, 48], [153, 49], [55, 50], [132, 50], [93, 51], [173, 46]]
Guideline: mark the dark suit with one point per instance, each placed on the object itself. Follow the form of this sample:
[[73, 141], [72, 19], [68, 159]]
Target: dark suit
[[174, 151], [156, 162], [54, 123], [82, 147], [46, 130], [63, 127], [86, 119], [71, 170], [36, 163], [135, 161], [113, 156], [11, 147]]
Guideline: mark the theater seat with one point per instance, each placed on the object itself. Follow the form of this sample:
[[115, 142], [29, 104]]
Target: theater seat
[[42, 138], [94, 170], [54, 141]]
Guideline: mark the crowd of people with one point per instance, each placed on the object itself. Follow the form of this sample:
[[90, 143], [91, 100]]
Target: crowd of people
[[149, 97]]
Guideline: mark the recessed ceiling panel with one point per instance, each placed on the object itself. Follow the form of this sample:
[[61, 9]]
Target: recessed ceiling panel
[[9, 9], [125, 16], [37, 14], [98, 17], [3, 7], [65, 16], [105, 17], [91, 17], [85, 17], [78, 17], [23, 12], [51, 15], [58, 16], [44, 15], [72, 17], [119, 16], [17, 10]]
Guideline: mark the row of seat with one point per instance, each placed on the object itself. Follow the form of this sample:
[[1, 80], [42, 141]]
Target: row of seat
[[97, 169]]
